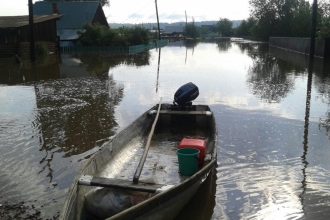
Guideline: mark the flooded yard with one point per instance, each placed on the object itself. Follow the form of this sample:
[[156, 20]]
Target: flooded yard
[[273, 148]]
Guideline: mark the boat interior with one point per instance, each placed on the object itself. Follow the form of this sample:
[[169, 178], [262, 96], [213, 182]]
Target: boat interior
[[116, 165]]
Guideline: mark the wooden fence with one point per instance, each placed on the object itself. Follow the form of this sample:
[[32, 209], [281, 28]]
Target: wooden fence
[[7, 50]]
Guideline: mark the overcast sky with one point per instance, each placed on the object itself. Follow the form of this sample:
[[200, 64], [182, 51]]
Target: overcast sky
[[141, 11]]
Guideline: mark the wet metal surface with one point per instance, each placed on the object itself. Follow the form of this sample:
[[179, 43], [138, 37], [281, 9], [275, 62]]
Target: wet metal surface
[[272, 156]]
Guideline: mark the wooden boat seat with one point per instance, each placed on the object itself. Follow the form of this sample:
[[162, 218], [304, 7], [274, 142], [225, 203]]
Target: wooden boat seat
[[122, 184], [171, 112]]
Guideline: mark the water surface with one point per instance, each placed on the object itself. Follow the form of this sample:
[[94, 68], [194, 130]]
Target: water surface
[[272, 156]]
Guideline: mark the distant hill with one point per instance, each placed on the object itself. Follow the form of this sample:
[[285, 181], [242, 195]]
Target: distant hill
[[174, 25]]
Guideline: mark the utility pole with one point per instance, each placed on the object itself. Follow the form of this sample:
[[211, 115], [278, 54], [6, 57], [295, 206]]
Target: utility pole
[[157, 20], [313, 30], [186, 17], [308, 98], [31, 26]]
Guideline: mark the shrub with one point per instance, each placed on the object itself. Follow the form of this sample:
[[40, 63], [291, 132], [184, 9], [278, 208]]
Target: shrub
[[98, 35]]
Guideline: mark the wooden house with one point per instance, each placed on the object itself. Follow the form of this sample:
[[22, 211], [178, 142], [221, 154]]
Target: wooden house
[[75, 16], [15, 33]]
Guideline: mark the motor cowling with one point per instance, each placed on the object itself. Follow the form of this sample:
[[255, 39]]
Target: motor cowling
[[186, 94]]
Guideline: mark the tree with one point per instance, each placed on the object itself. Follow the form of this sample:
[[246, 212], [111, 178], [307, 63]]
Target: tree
[[225, 27], [281, 18], [302, 20], [242, 29], [98, 35], [324, 27], [245, 28], [191, 30]]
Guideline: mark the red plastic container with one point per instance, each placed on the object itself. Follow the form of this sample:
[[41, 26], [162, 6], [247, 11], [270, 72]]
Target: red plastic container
[[199, 144]]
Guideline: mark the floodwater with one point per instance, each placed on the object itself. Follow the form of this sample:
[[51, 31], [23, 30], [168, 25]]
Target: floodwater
[[273, 121]]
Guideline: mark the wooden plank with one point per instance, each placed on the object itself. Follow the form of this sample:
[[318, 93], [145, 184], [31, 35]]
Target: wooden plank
[[146, 149], [118, 184], [170, 112]]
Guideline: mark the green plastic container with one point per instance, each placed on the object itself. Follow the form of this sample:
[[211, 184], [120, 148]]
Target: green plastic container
[[188, 161]]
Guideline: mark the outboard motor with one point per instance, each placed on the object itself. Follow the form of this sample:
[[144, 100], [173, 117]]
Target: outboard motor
[[186, 94]]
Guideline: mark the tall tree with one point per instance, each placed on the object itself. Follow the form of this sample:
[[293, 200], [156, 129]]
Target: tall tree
[[191, 30], [324, 10], [302, 20], [225, 27], [245, 28], [281, 17]]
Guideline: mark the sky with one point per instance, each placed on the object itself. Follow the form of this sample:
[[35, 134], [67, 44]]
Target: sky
[[143, 11]]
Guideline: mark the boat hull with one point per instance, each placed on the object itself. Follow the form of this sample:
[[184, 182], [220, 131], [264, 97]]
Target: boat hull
[[165, 204]]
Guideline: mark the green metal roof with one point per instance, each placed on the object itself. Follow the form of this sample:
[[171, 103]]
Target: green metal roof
[[75, 14]]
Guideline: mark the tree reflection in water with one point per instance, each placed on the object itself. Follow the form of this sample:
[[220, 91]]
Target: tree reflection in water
[[224, 45], [69, 113], [76, 114], [190, 43], [271, 75], [269, 78], [322, 83], [321, 77], [325, 122]]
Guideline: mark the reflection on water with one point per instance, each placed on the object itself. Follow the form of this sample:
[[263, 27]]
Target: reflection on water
[[224, 46], [68, 65], [13, 71], [189, 44], [50, 126], [321, 70], [75, 118], [270, 78], [273, 140], [262, 174], [306, 130]]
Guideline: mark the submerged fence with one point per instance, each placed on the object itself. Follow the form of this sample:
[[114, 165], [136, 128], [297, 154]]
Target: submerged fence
[[144, 47], [116, 50], [301, 45]]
